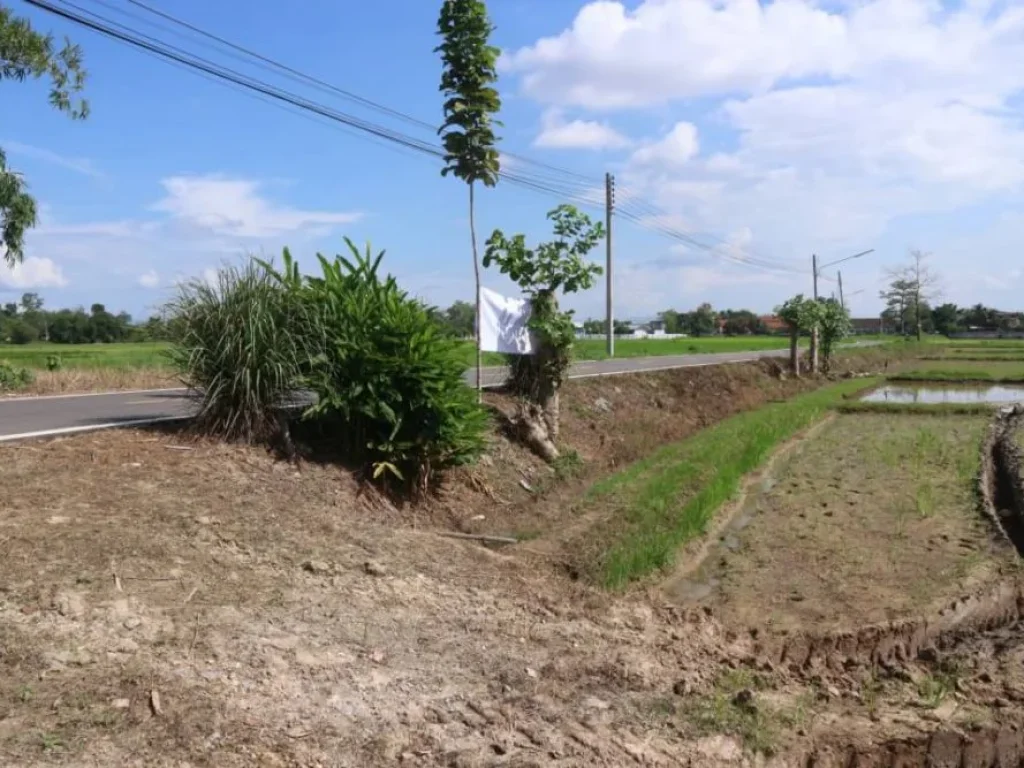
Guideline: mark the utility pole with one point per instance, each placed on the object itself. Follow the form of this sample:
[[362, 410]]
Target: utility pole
[[842, 303], [814, 331], [814, 267], [609, 208]]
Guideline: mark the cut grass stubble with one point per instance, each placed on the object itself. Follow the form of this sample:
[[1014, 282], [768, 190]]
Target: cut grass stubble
[[664, 501]]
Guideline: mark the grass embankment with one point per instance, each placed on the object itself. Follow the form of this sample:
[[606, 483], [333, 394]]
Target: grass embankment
[[931, 409], [658, 504], [963, 370]]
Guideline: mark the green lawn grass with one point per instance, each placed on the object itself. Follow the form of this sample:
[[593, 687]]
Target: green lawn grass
[[88, 356], [663, 501]]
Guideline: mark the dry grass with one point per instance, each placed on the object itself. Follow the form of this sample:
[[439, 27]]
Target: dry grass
[[71, 381]]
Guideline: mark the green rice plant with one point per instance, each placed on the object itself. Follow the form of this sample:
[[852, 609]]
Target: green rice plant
[[665, 500], [243, 344]]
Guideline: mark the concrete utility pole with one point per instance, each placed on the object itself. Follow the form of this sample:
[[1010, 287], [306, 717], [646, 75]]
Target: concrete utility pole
[[814, 331], [609, 208], [842, 303]]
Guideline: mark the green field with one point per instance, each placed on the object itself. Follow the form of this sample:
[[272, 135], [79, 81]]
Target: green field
[[153, 354], [595, 349], [88, 356]]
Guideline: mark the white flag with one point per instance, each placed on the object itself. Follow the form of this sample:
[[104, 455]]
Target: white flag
[[504, 324]]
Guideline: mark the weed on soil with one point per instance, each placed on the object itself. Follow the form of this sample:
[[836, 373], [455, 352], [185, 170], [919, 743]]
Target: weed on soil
[[873, 519]]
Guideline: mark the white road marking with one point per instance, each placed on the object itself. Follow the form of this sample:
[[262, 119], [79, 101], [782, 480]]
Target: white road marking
[[22, 398], [90, 428]]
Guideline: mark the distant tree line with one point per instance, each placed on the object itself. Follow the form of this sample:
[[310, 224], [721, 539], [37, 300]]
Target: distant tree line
[[947, 319], [702, 321], [26, 321]]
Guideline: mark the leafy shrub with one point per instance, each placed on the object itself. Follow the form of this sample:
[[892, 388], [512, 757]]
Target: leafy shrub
[[242, 346], [387, 377], [54, 363], [12, 379]]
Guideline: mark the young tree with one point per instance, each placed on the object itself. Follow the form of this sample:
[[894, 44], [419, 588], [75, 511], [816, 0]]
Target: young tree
[[469, 72], [801, 315], [541, 273], [911, 288], [26, 53], [834, 323]]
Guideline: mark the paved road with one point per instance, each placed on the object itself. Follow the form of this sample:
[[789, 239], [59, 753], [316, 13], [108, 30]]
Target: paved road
[[40, 416]]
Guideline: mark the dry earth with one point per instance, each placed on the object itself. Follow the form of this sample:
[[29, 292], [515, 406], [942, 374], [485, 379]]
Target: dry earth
[[166, 602]]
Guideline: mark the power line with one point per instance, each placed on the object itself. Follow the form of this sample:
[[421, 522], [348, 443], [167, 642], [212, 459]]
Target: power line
[[566, 188], [334, 88]]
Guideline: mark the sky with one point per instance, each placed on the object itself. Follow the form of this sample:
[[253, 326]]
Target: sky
[[769, 131]]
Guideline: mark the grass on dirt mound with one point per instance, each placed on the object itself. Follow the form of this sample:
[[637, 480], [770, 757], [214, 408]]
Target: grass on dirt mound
[[965, 370], [658, 504]]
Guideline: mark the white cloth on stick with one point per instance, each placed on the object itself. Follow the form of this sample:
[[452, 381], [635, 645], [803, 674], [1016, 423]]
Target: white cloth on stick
[[504, 324]]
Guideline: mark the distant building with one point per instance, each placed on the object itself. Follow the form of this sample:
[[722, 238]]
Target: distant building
[[866, 325], [774, 324]]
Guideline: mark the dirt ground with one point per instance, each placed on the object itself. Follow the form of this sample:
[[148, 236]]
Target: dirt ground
[[168, 602], [213, 607], [871, 519]]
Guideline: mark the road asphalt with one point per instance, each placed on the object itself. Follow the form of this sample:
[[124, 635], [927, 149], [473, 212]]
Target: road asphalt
[[26, 417]]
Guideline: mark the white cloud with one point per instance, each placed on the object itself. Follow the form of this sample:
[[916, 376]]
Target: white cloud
[[677, 147], [234, 207], [80, 165], [842, 117], [149, 279], [33, 272], [557, 133], [665, 50]]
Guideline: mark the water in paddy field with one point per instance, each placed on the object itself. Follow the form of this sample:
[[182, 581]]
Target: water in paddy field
[[939, 393]]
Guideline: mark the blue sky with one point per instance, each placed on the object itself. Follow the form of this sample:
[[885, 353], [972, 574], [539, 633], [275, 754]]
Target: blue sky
[[773, 130]]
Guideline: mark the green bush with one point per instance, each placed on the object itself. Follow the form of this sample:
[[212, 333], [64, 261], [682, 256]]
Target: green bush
[[386, 375], [242, 348], [12, 379], [54, 363]]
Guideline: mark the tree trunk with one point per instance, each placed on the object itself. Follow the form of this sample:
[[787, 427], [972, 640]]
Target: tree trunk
[[794, 351], [917, 309], [814, 350], [476, 276]]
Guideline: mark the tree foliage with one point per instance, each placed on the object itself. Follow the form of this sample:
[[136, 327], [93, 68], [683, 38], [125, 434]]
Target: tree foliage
[[467, 81], [28, 54], [542, 272], [834, 325], [387, 378]]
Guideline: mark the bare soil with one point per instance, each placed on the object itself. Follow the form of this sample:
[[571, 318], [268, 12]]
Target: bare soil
[[169, 602], [214, 607], [874, 518]]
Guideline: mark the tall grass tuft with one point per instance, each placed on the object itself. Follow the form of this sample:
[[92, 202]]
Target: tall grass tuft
[[242, 347]]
